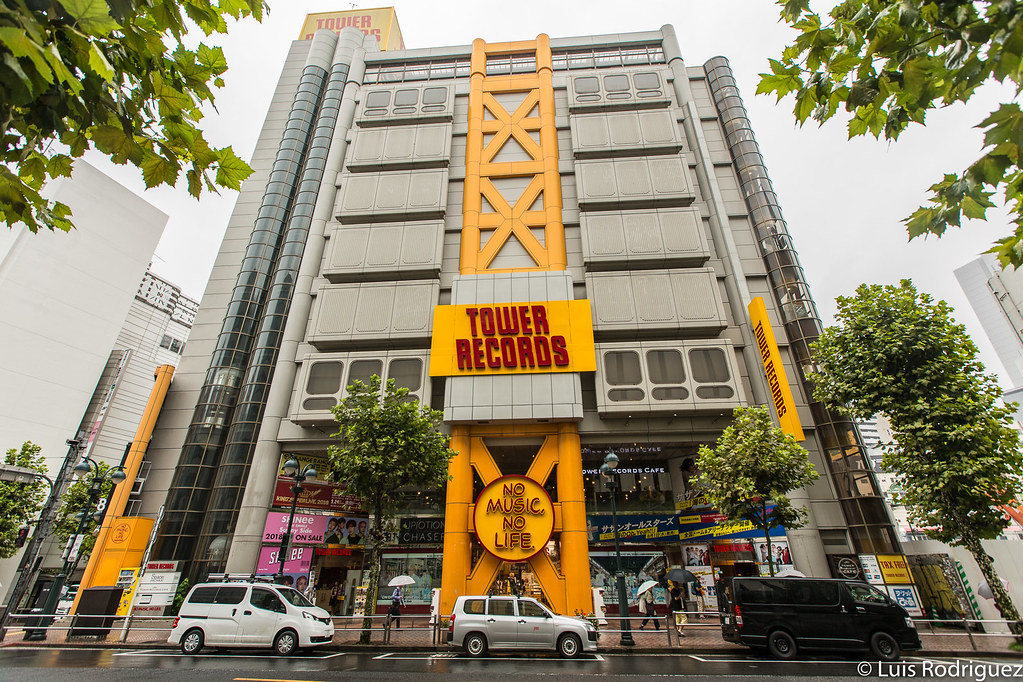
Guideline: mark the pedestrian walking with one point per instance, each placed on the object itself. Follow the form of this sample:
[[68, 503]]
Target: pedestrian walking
[[677, 610], [397, 601], [646, 607]]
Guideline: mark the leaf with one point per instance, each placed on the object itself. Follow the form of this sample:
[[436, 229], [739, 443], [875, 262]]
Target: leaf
[[21, 45], [158, 170], [92, 16], [231, 170], [973, 209], [99, 64]]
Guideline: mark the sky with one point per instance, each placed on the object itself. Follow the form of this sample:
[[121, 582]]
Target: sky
[[843, 200]]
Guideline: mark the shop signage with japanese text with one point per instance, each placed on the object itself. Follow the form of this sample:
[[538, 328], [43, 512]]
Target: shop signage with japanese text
[[326, 496]]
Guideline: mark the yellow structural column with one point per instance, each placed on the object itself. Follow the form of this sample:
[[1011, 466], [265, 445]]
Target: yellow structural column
[[575, 550], [472, 201], [98, 571], [555, 229], [457, 535]]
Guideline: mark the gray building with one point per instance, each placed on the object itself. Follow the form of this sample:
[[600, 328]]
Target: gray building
[[392, 189]]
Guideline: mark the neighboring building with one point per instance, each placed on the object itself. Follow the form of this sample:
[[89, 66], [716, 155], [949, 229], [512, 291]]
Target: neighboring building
[[554, 241], [996, 296], [70, 322]]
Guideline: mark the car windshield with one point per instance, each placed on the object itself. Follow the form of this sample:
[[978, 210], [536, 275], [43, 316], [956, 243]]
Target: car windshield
[[294, 596]]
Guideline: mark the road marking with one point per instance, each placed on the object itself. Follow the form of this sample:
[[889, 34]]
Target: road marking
[[457, 657], [758, 660], [174, 654]]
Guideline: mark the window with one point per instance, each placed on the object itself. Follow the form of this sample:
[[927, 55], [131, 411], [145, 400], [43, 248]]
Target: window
[[531, 608], [203, 595], [380, 98], [867, 594], [294, 596], [647, 81], [324, 377], [263, 598], [435, 95], [502, 607], [622, 368], [406, 98], [477, 606], [230, 595], [709, 365], [171, 344], [363, 370], [616, 83], [407, 373], [665, 366], [588, 84]]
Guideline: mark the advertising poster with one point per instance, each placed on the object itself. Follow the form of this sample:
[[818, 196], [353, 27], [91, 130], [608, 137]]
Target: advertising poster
[[346, 530], [894, 569], [306, 529], [871, 569], [709, 527], [325, 496], [906, 597], [696, 555], [779, 549], [299, 560]]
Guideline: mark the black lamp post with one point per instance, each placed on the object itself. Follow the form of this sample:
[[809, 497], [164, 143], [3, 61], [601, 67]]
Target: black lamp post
[[84, 468], [291, 469], [607, 470]]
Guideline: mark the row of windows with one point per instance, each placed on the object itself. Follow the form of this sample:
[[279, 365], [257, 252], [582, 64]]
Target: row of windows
[[406, 101], [172, 344], [523, 63], [324, 382], [666, 370]]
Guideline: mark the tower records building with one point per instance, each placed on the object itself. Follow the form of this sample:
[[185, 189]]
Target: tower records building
[[570, 246]]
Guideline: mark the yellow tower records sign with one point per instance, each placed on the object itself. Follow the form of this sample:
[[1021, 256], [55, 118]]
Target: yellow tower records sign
[[514, 518]]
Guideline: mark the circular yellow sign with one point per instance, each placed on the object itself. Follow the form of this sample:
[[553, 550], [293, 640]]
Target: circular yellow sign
[[514, 518]]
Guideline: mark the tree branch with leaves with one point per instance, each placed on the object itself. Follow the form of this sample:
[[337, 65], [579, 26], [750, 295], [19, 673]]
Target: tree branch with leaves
[[386, 443], [888, 62], [20, 503], [955, 453], [115, 76], [751, 470]]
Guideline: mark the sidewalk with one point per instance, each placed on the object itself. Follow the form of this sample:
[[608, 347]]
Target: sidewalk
[[700, 637]]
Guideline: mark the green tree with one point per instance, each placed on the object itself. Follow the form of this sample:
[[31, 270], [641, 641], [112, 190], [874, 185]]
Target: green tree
[[116, 76], [889, 62], [77, 498], [387, 443], [20, 502], [955, 453], [750, 472]]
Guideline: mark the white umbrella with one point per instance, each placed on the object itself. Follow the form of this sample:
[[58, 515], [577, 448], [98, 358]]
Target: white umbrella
[[789, 573], [400, 580], [648, 584], [984, 589]]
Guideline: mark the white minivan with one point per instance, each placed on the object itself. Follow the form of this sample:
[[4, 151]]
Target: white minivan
[[244, 614]]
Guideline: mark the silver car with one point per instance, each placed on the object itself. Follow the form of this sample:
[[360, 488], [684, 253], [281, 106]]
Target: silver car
[[482, 623]]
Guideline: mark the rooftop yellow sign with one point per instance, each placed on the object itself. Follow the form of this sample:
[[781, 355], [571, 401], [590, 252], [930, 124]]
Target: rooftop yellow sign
[[380, 22]]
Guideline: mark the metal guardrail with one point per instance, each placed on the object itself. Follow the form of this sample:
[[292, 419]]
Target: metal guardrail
[[701, 629]]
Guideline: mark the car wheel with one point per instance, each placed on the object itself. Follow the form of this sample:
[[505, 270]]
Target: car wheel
[[475, 645], [192, 642], [568, 646], [884, 647], [285, 643], [781, 645]]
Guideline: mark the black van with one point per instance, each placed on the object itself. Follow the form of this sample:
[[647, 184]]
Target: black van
[[788, 614]]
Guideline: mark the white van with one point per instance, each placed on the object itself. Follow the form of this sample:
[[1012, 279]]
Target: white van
[[243, 614]]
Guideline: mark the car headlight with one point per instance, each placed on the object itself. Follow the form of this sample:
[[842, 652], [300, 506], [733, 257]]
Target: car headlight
[[910, 623], [306, 614]]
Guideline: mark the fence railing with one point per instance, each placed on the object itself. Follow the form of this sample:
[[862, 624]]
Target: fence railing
[[699, 630]]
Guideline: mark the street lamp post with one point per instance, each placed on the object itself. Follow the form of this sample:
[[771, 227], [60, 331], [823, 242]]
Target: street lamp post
[[291, 469], [608, 471], [86, 467]]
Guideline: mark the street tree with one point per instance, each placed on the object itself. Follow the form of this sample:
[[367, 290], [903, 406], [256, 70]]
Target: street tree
[[78, 499], [888, 62], [751, 470], [954, 453], [115, 76], [386, 443], [20, 502]]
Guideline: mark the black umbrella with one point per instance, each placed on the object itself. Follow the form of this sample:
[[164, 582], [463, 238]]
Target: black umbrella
[[681, 575]]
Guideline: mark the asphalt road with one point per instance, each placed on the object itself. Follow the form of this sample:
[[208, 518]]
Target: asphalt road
[[25, 664]]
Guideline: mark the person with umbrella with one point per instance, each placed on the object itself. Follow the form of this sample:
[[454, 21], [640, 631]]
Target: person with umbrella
[[677, 578], [646, 604], [397, 597]]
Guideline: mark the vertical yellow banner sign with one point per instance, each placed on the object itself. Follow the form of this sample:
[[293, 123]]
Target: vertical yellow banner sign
[[781, 394]]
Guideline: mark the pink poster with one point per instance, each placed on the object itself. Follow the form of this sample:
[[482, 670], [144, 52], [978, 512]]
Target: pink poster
[[299, 560], [306, 529]]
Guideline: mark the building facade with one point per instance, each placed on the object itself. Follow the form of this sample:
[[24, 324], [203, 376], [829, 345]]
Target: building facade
[[557, 242]]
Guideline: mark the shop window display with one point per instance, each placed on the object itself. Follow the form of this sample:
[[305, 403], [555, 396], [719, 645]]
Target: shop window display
[[424, 569]]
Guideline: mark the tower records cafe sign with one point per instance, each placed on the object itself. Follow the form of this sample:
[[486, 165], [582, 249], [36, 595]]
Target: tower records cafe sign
[[514, 518]]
